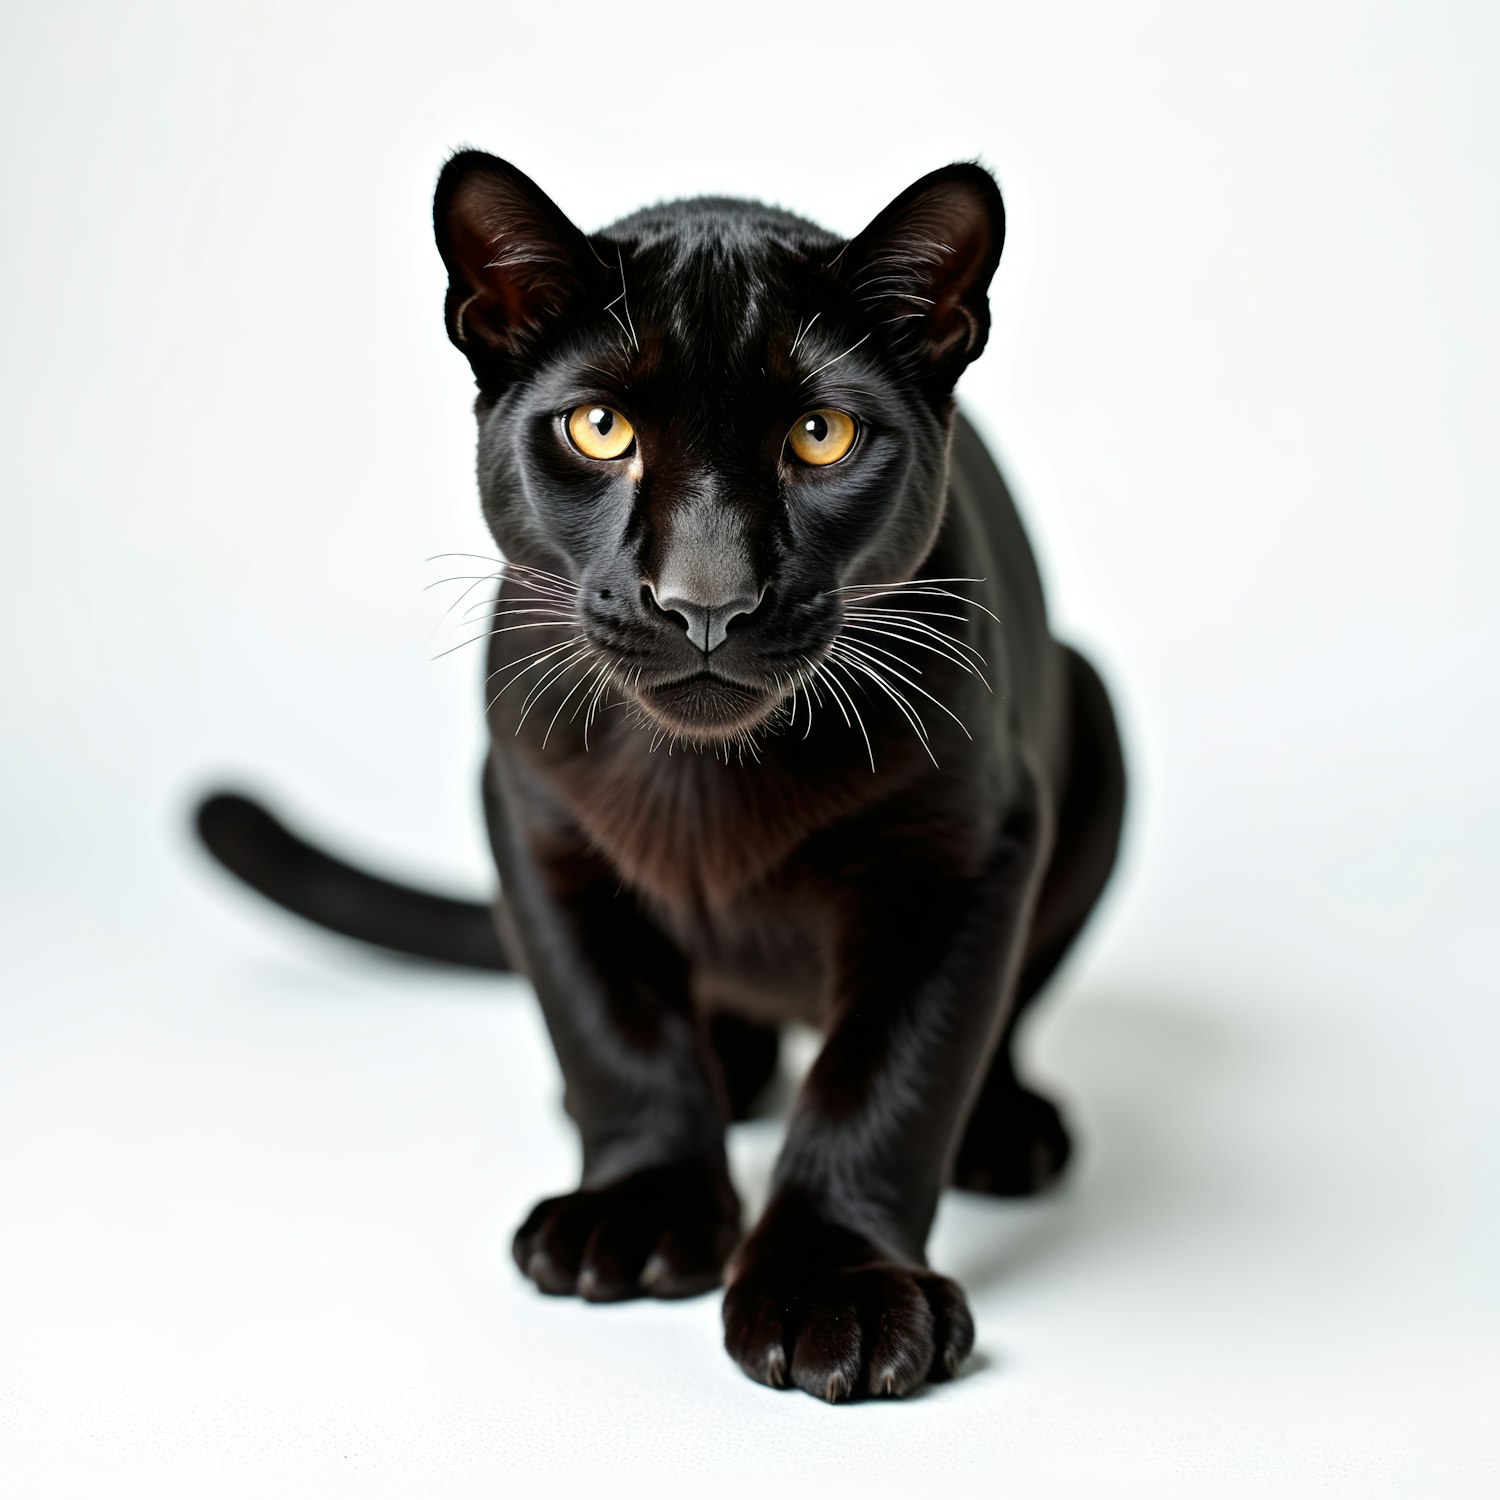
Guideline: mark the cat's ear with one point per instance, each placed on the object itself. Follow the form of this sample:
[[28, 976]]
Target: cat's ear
[[923, 266], [516, 263]]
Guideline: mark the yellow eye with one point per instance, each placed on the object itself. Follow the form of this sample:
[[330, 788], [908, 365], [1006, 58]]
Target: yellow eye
[[598, 432], [822, 437]]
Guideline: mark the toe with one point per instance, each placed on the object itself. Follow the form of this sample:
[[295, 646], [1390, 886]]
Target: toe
[[685, 1264], [609, 1269], [755, 1336], [903, 1346], [553, 1250], [828, 1356], [953, 1326]]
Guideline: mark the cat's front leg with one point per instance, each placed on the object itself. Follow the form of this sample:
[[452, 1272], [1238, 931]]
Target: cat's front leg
[[654, 1214], [831, 1292]]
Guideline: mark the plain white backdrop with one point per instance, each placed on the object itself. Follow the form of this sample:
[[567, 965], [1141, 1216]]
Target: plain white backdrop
[[256, 1189]]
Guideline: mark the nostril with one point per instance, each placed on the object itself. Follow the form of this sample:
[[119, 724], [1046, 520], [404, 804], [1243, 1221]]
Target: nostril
[[733, 610], [707, 624], [693, 617]]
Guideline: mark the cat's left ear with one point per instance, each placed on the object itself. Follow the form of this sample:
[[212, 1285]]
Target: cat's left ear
[[923, 266], [517, 265]]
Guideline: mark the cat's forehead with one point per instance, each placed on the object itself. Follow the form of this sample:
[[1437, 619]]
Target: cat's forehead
[[715, 269], [710, 296], [690, 227]]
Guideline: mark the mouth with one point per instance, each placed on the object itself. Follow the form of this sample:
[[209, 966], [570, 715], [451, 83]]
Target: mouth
[[708, 704]]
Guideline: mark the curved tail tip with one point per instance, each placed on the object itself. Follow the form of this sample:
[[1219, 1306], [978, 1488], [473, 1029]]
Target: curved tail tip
[[226, 819]]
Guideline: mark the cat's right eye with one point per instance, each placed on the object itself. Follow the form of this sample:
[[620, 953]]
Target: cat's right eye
[[822, 437], [599, 432]]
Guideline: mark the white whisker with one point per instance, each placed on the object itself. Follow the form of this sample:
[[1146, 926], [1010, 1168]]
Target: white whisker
[[803, 332], [912, 592], [897, 620], [836, 358], [852, 665], [914, 686], [583, 677], [825, 670], [541, 651], [458, 578], [558, 624], [905, 583], [958, 661], [547, 677]]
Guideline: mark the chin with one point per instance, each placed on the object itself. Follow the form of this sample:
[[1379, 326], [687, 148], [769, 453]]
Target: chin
[[707, 707]]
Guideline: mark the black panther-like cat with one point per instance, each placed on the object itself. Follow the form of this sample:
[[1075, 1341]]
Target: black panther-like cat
[[779, 732]]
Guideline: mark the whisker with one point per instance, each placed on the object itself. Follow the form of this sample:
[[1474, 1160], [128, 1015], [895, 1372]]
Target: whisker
[[812, 683], [872, 670], [528, 625], [501, 607], [588, 718], [855, 607], [548, 676], [852, 665], [915, 593], [825, 671], [499, 562], [958, 661], [504, 563], [478, 579], [620, 255], [555, 624], [566, 585], [904, 583], [562, 602], [542, 656], [802, 332], [541, 651], [836, 358], [583, 677], [458, 578], [914, 686], [584, 702], [894, 619]]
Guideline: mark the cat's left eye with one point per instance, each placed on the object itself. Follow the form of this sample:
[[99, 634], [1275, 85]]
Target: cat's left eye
[[822, 437], [598, 432]]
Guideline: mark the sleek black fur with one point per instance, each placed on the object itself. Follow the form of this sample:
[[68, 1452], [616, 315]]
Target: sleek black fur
[[790, 739]]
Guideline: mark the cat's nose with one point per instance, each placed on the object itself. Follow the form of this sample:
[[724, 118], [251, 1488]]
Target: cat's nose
[[707, 620]]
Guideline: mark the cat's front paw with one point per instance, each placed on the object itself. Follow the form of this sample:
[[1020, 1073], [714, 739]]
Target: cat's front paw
[[661, 1232], [840, 1325]]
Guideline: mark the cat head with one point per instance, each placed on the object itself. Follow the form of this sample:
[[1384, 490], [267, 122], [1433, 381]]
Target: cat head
[[701, 423]]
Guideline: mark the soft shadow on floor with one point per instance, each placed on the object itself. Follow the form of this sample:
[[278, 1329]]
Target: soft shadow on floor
[[1130, 1067], [1131, 1071]]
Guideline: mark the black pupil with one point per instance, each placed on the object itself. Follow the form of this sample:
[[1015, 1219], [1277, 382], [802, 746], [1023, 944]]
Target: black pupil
[[817, 427], [602, 420]]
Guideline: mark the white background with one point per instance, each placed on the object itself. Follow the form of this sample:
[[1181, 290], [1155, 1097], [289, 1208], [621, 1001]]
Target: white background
[[256, 1189]]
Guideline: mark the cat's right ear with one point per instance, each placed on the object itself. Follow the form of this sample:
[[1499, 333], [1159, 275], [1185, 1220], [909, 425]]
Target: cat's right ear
[[516, 262]]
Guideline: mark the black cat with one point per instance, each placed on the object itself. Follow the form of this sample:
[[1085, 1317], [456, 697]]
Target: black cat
[[779, 731]]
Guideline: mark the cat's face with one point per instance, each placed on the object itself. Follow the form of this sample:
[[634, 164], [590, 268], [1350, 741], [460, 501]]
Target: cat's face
[[704, 422]]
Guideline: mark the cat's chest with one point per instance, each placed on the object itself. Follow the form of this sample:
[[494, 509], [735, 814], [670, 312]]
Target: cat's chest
[[686, 829]]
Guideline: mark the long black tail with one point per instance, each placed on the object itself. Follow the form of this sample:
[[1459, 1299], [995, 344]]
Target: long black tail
[[263, 852]]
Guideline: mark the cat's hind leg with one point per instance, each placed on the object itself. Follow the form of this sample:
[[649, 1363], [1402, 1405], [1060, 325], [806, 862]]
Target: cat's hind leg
[[1016, 1142], [746, 1052]]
